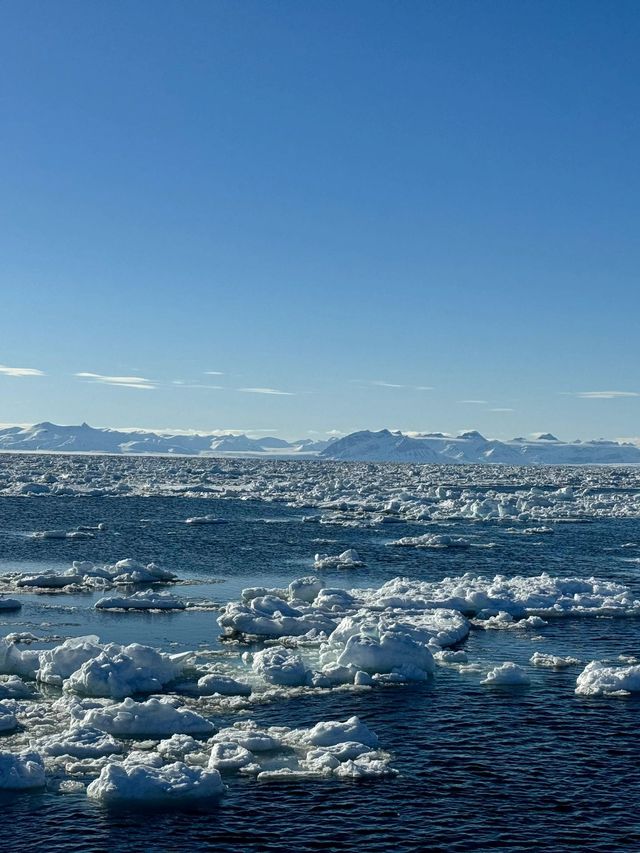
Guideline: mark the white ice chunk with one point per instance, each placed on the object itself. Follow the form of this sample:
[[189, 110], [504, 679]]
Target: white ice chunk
[[278, 665], [507, 673], [119, 671], [59, 663], [173, 782], [332, 733], [155, 717], [348, 559], [81, 742], [21, 771], [147, 600], [597, 679], [229, 755], [552, 661], [305, 589], [222, 684]]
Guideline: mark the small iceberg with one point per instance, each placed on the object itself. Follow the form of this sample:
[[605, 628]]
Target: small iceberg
[[147, 600]]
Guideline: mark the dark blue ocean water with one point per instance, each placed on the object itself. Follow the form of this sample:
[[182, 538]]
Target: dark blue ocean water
[[480, 769]]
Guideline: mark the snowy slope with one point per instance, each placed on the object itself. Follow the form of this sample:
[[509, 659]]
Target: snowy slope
[[85, 439], [472, 447]]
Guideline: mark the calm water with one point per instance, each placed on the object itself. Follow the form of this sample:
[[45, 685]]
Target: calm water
[[480, 769]]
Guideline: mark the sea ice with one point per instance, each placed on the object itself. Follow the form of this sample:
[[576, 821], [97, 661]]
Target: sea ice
[[147, 600], [119, 671], [349, 559], [122, 783], [278, 665], [507, 673], [432, 540], [155, 717], [597, 679], [21, 771], [205, 519], [552, 661], [222, 684], [332, 733], [80, 742]]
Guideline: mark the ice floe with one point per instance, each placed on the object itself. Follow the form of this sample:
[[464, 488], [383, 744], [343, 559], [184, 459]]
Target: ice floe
[[84, 574], [122, 783], [599, 679], [20, 771], [144, 600], [508, 673], [205, 519], [349, 559], [278, 665], [432, 540], [155, 717], [552, 661]]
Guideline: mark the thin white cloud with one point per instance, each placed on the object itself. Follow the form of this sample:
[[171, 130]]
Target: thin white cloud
[[214, 373], [603, 395], [20, 371], [138, 382], [187, 383], [379, 383], [475, 402], [274, 391], [205, 432], [502, 409]]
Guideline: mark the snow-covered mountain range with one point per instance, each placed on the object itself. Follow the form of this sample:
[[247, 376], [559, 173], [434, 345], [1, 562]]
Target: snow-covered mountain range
[[472, 447], [85, 439], [365, 446]]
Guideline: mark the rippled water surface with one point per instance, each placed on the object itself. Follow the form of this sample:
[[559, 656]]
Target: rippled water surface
[[481, 768]]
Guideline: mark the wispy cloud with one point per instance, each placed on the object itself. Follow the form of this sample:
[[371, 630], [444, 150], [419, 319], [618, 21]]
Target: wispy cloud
[[274, 391], [249, 431], [475, 402], [602, 395], [502, 409], [137, 382], [213, 373], [187, 384], [20, 371], [379, 383]]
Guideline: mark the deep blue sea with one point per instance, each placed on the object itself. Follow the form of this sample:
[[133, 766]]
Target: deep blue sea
[[535, 769]]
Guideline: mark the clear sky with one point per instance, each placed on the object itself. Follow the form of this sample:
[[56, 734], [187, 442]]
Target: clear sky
[[420, 215]]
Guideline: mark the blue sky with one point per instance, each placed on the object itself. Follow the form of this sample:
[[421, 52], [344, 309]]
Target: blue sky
[[383, 209]]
